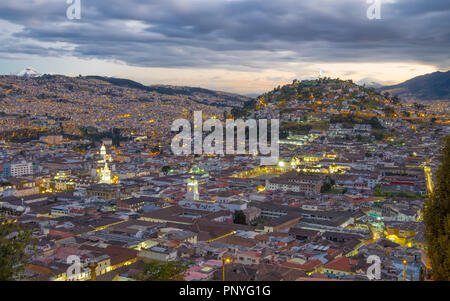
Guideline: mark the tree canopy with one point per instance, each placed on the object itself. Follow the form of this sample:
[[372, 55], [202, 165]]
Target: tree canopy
[[239, 217], [14, 239], [162, 271], [165, 169], [437, 220]]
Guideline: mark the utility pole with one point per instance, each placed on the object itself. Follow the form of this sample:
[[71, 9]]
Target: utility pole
[[404, 269], [225, 260]]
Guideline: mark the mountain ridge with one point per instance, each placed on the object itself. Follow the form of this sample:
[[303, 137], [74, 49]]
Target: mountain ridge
[[428, 87], [197, 94], [170, 89]]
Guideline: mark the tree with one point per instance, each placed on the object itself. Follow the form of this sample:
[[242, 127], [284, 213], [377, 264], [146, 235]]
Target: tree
[[377, 190], [395, 100], [14, 239], [375, 123], [239, 217], [155, 149], [162, 271], [165, 169], [389, 111], [437, 219], [327, 184]]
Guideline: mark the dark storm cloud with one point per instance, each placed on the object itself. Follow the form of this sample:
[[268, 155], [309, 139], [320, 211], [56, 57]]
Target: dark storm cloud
[[233, 34]]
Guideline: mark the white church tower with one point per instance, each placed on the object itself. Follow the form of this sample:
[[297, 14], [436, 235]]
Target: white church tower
[[192, 190], [104, 172]]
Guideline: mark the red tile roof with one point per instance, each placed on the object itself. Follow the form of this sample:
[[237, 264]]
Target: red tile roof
[[341, 263], [307, 266]]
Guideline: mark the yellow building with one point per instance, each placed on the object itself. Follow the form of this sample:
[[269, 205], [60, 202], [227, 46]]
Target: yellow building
[[401, 233]]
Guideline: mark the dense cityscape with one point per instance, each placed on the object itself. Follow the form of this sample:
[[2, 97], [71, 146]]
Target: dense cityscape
[[224, 148], [87, 169]]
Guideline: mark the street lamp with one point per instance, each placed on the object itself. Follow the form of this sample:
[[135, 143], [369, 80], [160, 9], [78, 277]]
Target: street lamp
[[225, 260], [404, 269], [93, 266]]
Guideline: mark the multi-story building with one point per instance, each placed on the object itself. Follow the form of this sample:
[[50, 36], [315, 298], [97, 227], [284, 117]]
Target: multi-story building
[[53, 139], [296, 183], [20, 169], [159, 253], [131, 204], [104, 191]]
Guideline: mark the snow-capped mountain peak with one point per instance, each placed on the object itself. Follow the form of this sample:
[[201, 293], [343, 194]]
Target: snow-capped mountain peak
[[29, 72]]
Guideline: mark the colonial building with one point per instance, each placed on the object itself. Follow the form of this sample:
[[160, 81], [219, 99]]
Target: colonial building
[[296, 183]]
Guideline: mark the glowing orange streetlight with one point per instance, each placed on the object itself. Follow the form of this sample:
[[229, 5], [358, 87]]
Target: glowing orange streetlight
[[225, 260], [404, 269]]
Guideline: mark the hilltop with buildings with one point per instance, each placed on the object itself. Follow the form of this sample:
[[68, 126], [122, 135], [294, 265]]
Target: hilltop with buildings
[[72, 105]]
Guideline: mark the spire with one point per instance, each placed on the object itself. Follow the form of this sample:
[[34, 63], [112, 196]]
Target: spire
[[103, 150]]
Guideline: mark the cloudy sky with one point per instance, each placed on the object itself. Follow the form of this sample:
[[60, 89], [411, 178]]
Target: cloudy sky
[[244, 46]]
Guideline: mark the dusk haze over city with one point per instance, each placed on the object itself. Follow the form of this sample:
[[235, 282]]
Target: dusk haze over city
[[225, 148]]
